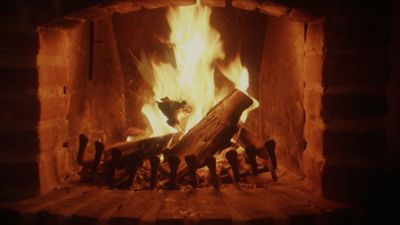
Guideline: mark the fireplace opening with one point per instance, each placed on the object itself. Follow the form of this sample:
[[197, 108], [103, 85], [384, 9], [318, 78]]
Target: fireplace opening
[[109, 134], [109, 85]]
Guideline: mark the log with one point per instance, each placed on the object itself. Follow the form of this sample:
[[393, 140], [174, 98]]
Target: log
[[144, 148], [213, 132]]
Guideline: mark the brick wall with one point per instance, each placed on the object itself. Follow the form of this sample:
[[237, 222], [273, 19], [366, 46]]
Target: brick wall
[[345, 108], [349, 48]]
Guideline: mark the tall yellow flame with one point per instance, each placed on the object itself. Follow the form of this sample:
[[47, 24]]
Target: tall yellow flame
[[196, 47]]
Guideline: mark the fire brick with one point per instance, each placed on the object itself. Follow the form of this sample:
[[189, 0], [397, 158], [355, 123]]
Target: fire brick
[[245, 4], [273, 9]]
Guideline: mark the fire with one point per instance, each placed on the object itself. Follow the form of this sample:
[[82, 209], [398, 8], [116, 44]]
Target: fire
[[196, 46]]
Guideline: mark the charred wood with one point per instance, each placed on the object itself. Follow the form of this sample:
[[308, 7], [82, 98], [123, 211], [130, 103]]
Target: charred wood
[[144, 148], [213, 132]]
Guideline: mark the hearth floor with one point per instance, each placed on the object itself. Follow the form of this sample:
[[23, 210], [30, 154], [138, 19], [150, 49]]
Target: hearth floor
[[284, 202]]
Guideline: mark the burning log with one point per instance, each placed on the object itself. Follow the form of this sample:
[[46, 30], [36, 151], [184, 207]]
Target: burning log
[[171, 110], [213, 132], [144, 148]]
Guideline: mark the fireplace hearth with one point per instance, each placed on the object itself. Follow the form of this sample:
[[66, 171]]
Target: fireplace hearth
[[290, 108]]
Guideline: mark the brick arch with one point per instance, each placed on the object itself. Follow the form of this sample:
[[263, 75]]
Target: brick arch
[[272, 8]]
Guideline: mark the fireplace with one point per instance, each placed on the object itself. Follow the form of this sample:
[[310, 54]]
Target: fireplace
[[318, 73]]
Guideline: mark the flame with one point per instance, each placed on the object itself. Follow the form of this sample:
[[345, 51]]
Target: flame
[[196, 46], [239, 76]]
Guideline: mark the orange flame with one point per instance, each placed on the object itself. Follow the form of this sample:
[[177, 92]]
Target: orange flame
[[197, 46]]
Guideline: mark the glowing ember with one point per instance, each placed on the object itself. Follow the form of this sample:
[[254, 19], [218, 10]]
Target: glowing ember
[[197, 47]]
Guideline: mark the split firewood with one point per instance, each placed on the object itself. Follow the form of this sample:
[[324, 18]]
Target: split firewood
[[171, 109], [213, 132], [144, 148]]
